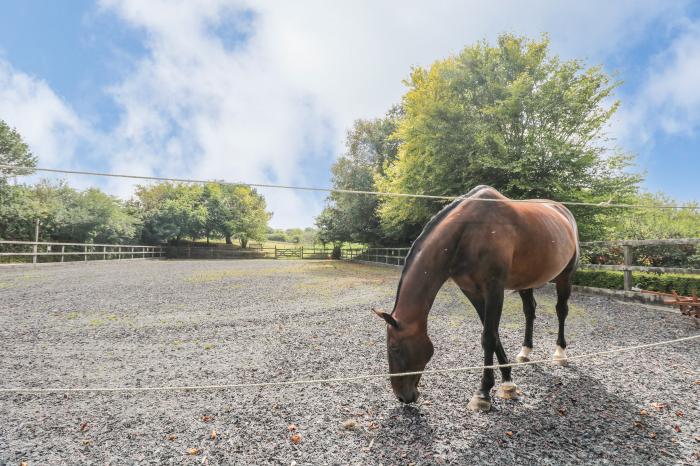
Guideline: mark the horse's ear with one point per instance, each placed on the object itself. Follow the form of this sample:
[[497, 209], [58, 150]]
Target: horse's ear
[[387, 317]]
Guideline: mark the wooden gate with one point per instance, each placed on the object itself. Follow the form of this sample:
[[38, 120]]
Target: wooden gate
[[295, 253]]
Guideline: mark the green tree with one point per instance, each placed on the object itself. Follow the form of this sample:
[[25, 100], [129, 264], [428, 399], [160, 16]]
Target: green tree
[[14, 151], [512, 116], [251, 223], [92, 216], [171, 211], [369, 147]]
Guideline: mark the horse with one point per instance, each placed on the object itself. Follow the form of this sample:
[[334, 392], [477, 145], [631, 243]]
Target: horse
[[486, 243]]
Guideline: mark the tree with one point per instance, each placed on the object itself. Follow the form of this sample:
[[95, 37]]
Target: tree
[[252, 218], [511, 116], [369, 147], [14, 151], [92, 216], [171, 211]]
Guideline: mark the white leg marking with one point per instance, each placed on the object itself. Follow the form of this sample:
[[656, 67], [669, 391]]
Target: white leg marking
[[524, 354], [559, 356]]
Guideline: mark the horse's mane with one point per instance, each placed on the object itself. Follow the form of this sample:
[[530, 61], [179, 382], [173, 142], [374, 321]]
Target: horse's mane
[[432, 223]]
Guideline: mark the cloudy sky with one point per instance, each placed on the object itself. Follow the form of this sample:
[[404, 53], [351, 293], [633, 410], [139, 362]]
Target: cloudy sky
[[265, 91]]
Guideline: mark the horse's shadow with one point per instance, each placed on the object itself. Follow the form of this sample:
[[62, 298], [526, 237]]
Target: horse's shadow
[[566, 422]]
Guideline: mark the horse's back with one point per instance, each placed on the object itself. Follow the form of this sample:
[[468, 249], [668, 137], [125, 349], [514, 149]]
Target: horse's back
[[532, 241]]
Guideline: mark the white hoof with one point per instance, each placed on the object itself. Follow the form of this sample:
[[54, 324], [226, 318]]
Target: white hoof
[[508, 391], [523, 355], [559, 357], [479, 404]]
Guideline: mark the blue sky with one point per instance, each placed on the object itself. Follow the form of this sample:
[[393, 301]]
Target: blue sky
[[264, 91]]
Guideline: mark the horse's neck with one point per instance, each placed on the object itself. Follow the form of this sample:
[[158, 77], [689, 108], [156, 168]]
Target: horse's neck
[[426, 273]]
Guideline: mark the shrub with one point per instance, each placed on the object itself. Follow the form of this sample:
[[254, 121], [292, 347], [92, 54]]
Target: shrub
[[682, 284]]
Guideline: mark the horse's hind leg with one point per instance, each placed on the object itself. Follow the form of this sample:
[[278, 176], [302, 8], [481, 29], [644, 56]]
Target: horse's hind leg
[[563, 283], [529, 306]]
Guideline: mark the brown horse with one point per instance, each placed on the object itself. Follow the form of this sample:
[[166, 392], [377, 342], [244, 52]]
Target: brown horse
[[486, 247]]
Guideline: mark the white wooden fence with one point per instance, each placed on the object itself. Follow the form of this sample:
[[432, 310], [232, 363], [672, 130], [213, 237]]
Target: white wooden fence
[[78, 251]]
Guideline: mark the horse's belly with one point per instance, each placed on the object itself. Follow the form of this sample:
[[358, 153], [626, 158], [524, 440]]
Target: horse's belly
[[537, 268]]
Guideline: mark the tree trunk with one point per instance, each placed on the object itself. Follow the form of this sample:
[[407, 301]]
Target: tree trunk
[[228, 239], [244, 243]]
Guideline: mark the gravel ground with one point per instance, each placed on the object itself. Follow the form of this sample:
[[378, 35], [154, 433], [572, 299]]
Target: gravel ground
[[154, 323]]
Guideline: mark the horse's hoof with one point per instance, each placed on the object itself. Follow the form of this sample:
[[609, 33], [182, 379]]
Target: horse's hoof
[[559, 357], [508, 391], [477, 403], [523, 355]]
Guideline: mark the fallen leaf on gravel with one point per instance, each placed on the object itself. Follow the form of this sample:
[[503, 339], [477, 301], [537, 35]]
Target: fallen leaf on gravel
[[697, 438], [562, 411], [652, 434], [207, 418], [373, 426], [291, 427], [349, 424], [83, 426], [677, 428], [172, 437], [24, 463], [637, 424], [296, 439], [509, 433], [658, 406], [680, 413], [193, 451], [213, 435], [643, 412], [87, 441]]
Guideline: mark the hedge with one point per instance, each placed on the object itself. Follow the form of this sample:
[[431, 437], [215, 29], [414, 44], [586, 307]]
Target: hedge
[[682, 284]]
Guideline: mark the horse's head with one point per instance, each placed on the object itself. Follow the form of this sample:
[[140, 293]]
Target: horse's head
[[409, 349]]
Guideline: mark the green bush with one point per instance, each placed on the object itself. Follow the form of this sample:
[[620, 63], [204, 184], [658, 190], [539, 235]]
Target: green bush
[[682, 284]]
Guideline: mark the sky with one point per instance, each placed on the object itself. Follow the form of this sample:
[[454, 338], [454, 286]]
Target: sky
[[264, 91]]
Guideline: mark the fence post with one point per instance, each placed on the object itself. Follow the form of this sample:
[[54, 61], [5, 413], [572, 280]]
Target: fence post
[[628, 273], [63, 250], [85, 251], [36, 240], [302, 252], [104, 253], [275, 251]]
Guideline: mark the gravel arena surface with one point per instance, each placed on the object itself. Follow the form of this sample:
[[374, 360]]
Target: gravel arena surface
[[168, 322]]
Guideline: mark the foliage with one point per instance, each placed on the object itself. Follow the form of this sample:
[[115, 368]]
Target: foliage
[[352, 217], [174, 211], [682, 284], [13, 151], [171, 211], [511, 116], [65, 214], [307, 235]]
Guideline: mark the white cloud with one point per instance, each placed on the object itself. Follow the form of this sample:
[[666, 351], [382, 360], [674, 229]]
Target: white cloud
[[46, 123], [278, 102]]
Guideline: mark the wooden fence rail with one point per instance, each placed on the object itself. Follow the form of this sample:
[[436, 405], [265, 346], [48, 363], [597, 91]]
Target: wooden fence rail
[[80, 250]]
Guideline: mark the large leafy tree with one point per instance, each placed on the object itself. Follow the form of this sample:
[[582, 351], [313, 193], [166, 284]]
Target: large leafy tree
[[352, 217], [512, 116], [171, 211]]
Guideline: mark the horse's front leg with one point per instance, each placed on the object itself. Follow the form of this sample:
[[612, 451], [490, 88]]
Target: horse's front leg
[[507, 390], [493, 306]]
